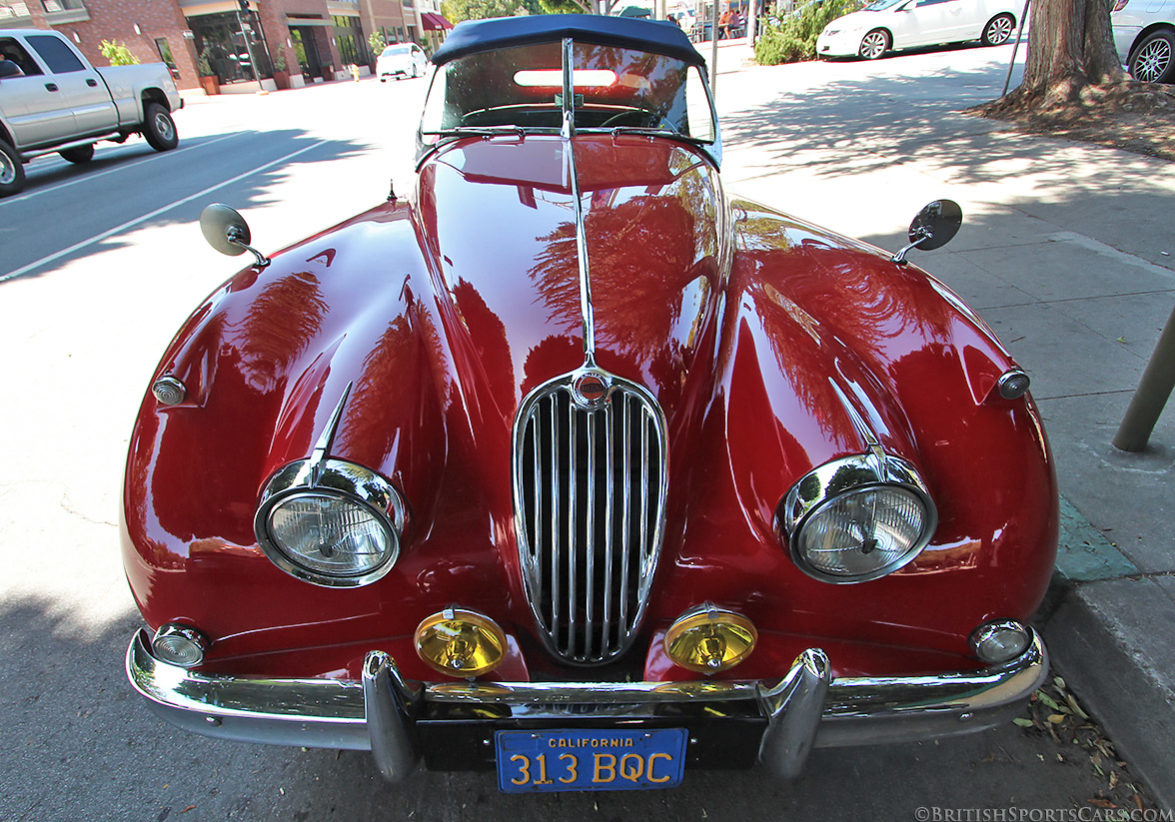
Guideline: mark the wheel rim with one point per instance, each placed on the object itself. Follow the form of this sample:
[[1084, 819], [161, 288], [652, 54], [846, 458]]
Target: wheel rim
[[1152, 60], [7, 169], [999, 31], [873, 45], [163, 126]]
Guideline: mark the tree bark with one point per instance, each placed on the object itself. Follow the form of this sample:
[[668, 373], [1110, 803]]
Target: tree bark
[[1070, 46]]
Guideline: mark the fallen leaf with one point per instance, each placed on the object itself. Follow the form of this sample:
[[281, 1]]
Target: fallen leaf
[[1060, 683], [1076, 708], [189, 808], [1102, 803], [1024, 723], [1052, 703], [1056, 719]]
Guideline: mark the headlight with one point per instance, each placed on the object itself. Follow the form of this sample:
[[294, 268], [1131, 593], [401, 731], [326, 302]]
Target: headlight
[[336, 524], [857, 518]]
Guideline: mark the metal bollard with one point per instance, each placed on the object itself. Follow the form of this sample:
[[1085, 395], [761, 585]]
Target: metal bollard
[[1153, 391]]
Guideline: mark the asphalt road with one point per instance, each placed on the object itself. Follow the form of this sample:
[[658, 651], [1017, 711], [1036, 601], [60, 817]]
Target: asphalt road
[[99, 265]]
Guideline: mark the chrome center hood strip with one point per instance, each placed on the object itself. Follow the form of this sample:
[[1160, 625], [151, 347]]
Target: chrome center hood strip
[[568, 135]]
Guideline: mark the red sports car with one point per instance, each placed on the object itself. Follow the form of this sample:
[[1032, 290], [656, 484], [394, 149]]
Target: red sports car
[[573, 465]]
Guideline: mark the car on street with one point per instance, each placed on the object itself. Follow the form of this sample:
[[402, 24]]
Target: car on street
[[401, 60], [1144, 35], [892, 25], [53, 100], [574, 466]]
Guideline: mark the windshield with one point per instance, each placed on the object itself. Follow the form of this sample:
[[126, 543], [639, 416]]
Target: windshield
[[614, 88], [882, 5], [401, 49]]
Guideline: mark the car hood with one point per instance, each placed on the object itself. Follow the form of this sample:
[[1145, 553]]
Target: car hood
[[499, 225]]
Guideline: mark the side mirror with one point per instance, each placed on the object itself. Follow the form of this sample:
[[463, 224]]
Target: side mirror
[[935, 226], [226, 231]]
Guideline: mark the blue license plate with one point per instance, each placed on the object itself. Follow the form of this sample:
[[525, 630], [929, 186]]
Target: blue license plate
[[582, 760]]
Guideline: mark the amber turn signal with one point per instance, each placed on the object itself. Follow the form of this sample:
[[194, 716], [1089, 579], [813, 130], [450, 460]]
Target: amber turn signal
[[709, 639], [460, 643]]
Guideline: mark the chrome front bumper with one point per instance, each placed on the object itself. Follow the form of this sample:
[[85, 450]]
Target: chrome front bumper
[[384, 713]]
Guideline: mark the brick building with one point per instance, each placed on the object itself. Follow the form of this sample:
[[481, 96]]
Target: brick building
[[240, 40]]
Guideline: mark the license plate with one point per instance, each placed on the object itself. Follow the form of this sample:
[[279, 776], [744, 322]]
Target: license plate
[[582, 760]]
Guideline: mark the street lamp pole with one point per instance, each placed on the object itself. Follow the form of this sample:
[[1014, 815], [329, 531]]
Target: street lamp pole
[[244, 5]]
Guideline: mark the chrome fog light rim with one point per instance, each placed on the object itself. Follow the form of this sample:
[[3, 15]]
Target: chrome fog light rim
[[179, 645], [1000, 640], [838, 479], [340, 480]]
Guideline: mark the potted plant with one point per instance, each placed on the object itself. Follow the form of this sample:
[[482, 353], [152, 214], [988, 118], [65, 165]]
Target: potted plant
[[208, 79], [281, 77]]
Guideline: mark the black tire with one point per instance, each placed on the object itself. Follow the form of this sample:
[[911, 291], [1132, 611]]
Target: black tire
[[874, 44], [11, 170], [81, 154], [159, 128], [998, 30], [1153, 59]]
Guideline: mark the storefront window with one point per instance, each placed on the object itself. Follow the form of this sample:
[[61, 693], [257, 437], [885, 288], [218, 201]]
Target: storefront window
[[221, 38], [349, 40]]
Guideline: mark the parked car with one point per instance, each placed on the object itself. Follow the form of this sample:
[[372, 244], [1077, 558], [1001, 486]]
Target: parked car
[[1144, 35], [53, 100], [892, 25], [400, 60], [574, 465]]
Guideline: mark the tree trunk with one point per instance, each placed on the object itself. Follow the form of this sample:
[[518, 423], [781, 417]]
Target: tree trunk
[[1070, 46]]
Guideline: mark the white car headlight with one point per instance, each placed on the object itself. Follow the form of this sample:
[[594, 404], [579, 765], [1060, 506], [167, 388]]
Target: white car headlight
[[857, 518], [336, 524]]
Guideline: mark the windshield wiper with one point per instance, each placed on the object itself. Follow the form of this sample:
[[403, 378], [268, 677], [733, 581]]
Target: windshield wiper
[[485, 131]]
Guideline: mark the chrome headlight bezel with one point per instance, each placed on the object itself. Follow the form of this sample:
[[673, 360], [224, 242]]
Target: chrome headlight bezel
[[837, 479], [331, 478]]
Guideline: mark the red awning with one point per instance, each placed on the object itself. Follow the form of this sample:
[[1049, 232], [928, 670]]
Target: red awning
[[434, 22]]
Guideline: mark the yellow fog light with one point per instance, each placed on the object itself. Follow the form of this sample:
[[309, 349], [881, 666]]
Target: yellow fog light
[[709, 639], [461, 643]]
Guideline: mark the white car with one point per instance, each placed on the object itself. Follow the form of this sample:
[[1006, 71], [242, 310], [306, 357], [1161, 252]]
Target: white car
[[1144, 34], [406, 59], [887, 25]]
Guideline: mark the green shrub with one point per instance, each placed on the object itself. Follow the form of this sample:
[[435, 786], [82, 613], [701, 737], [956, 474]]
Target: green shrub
[[793, 37], [117, 53]]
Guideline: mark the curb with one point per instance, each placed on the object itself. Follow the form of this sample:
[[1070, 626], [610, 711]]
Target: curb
[[1110, 631]]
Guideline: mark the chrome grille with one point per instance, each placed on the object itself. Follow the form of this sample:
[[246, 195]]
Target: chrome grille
[[589, 498]]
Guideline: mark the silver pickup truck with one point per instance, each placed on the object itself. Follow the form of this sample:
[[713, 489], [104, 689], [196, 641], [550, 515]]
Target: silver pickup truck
[[52, 99]]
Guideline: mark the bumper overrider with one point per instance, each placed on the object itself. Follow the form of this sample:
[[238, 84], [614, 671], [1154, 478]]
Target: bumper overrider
[[451, 725]]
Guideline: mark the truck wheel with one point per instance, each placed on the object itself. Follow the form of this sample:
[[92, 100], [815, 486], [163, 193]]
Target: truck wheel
[[11, 170], [81, 154], [159, 128]]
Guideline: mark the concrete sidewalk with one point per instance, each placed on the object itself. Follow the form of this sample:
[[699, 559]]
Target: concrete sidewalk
[[1066, 251]]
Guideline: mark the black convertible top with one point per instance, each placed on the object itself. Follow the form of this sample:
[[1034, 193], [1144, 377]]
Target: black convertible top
[[659, 37]]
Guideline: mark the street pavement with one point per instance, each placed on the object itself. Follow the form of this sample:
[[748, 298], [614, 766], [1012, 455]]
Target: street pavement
[[1062, 251]]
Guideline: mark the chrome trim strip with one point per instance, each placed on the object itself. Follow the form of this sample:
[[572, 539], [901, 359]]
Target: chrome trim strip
[[331, 713], [568, 135], [321, 450]]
